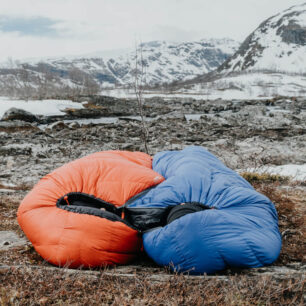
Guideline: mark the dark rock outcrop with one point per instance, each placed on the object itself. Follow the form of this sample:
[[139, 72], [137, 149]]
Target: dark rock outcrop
[[18, 114]]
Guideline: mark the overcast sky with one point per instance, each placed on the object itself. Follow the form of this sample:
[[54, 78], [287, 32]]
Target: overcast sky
[[41, 28]]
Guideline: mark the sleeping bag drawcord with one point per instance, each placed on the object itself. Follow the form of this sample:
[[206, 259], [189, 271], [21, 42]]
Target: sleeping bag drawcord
[[122, 213], [66, 199]]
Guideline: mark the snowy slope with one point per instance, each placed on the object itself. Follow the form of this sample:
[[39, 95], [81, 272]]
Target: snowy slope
[[270, 62], [253, 85], [278, 44]]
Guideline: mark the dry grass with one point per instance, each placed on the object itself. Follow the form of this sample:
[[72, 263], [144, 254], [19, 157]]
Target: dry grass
[[253, 177], [291, 207], [290, 202], [91, 105], [291, 213], [8, 211], [42, 288]]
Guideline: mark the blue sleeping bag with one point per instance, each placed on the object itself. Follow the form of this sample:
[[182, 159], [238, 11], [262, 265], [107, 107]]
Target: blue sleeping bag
[[240, 229]]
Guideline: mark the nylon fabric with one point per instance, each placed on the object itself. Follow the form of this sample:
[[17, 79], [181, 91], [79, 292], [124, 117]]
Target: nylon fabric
[[67, 238], [241, 232]]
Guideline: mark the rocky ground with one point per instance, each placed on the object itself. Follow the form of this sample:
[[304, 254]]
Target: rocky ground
[[241, 133]]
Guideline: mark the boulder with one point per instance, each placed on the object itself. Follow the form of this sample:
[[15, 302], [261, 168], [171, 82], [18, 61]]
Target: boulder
[[85, 112], [74, 125], [18, 114], [57, 126], [9, 239]]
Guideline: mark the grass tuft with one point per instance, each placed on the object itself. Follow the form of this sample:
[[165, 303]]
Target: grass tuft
[[253, 177]]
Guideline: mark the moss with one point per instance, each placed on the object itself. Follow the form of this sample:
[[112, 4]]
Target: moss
[[264, 177]]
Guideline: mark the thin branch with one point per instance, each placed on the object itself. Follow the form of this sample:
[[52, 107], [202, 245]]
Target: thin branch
[[138, 87]]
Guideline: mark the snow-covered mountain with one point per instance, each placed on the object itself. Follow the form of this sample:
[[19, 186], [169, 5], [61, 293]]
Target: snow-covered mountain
[[163, 63], [167, 62], [270, 62], [278, 44]]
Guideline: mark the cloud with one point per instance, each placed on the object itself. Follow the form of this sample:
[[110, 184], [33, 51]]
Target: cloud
[[39, 28], [172, 33], [31, 26]]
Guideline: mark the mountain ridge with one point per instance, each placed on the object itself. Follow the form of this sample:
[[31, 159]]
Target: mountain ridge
[[278, 43], [163, 63]]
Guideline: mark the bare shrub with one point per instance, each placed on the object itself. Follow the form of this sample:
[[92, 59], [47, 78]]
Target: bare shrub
[[139, 84]]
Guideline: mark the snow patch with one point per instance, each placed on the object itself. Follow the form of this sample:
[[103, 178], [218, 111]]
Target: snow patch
[[39, 107], [253, 85], [296, 172]]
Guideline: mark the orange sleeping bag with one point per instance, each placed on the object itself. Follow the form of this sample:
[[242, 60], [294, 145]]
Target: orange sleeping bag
[[74, 215]]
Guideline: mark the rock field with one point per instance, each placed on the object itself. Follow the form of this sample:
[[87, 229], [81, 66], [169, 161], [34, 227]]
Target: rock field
[[241, 133]]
